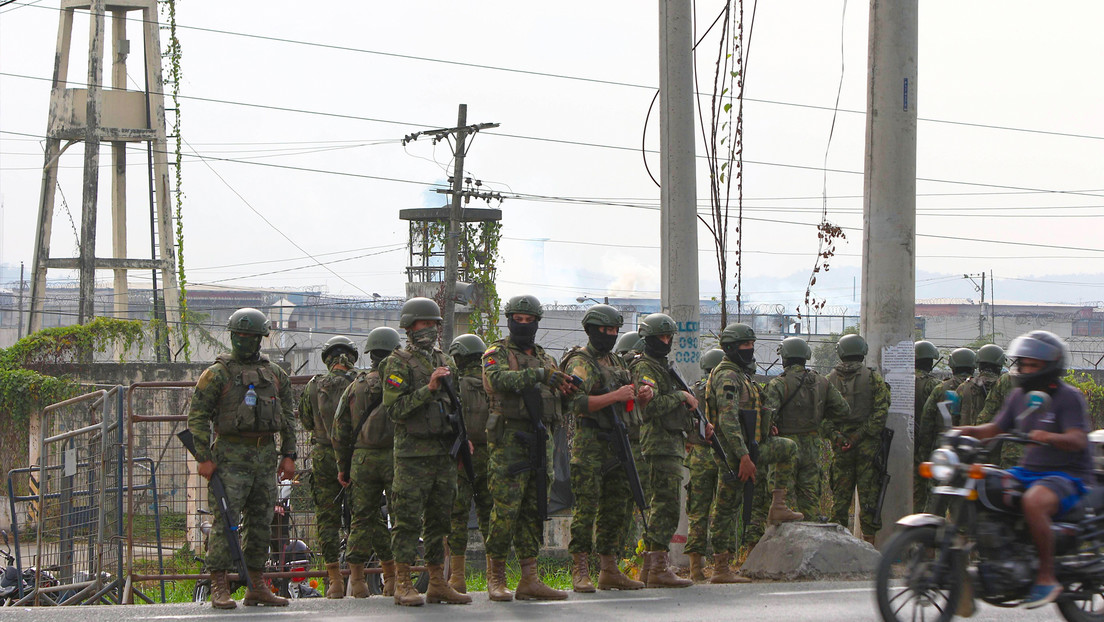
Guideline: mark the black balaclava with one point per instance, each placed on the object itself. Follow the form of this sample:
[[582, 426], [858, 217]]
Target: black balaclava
[[925, 364], [743, 357], [377, 356], [522, 335], [655, 348], [602, 342], [793, 361]]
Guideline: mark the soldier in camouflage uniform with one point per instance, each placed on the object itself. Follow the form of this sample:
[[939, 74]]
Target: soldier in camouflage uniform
[[628, 348], [731, 396], [624, 345], [424, 487], [963, 362], [973, 393], [1011, 453], [245, 400], [467, 351], [857, 439], [702, 483], [926, 354], [603, 498], [510, 366], [667, 422], [363, 440], [317, 406], [800, 403]]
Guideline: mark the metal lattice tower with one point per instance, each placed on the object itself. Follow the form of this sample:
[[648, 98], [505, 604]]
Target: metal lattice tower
[[89, 113]]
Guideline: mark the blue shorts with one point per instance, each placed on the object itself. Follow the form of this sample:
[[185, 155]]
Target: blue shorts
[[1067, 487]]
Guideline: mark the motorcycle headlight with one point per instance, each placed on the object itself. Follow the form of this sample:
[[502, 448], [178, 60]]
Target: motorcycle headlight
[[943, 465]]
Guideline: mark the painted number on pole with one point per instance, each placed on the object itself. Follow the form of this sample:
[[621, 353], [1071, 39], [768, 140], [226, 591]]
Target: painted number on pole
[[687, 345]]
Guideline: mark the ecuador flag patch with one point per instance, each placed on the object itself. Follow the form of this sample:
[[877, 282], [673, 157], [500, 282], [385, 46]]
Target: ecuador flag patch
[[394, 381]]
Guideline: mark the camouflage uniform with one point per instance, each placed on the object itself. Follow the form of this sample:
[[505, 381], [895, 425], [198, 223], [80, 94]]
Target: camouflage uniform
[[368, 463], [867, 395], [799, 402], [666, 424], [926, 382], [972, 395], [700, 491], [603, 501], [927, 434], [1010, 452], [244, 453], [474, 400], [729, 391], [507, 370], [316, 412], [424, 485]]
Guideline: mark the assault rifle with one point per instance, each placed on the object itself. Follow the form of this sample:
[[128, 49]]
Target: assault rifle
[[618, 439], [219, 491], [748, 418], [461, 447], [536, 444], [881, 468], [714, 441]]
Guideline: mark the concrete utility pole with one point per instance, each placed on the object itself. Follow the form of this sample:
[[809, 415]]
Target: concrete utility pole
[[678, 191], [889, 229]]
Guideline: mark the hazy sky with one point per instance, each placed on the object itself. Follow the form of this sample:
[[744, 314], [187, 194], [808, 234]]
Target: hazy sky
[[1011, 139]]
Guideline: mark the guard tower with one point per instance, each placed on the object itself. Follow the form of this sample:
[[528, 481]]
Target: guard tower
[[84, 111], [425, 271]]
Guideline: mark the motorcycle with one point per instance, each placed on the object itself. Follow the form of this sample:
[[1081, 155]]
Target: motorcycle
[[289, 554], [14, 586], [976, 543]]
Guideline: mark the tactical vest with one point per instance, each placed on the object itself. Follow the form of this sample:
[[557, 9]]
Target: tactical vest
[[510, 405], [430, 419], [744, 382], [802, 406], [378, 432], [324, 394], [858, 390], [476, 408], [609, 379], [677, 420], [235, 417]]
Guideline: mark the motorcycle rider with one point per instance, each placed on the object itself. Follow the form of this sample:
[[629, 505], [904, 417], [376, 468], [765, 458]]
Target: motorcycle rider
[[1053, 472]]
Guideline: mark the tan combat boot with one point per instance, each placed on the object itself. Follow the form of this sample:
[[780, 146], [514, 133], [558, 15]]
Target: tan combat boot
[[696, 567], [778, 512], [458, 580], [220, 592], [661, 573], [258, 592], [580, 573], [336, 588], [496, 580], [722, 571], [358, 587], [645, 568], [610, 576], [405, 594], [869, 540], [388, 577], [530, 586], [439, 590]]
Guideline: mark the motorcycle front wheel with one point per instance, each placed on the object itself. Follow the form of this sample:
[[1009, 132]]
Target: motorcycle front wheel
[[1087, 609], [913, 582]]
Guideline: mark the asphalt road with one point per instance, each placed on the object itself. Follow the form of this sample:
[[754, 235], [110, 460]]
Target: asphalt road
[[758, 602]]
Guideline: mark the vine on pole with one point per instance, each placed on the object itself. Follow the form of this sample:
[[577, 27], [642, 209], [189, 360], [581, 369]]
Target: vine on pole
[[172, 53]]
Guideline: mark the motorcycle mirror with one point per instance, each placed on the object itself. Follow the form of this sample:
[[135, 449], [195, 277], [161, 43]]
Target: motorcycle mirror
[[1036, 401]]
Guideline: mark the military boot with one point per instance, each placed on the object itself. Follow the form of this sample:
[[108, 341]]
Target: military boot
[[439, 590], [661, 573], [496, 580], [358, 587], [580, 573], [696, 567], [530, 587], [645, 568], [722, 571], [388, 577], [220, 592], [610, 576], [778, 512], [336, 588], [259, 594], [869, 540], [405, 594], [457, 578]]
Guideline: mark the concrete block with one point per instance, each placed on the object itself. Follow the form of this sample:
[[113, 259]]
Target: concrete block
[[809, 551]]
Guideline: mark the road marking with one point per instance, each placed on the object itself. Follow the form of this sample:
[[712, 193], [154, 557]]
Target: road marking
[[597, 601], [839, 591]]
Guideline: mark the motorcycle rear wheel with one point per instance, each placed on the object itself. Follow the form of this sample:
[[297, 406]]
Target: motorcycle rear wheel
[[911, 557], [1083, 610]]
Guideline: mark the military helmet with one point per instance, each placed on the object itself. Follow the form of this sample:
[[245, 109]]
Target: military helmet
[[248, 321], [382, 338], [657, 325], [526, 304], [926, 350], [625, 342], [992, 354], [335, 342], [711, 359], [795, 348], [963, 357], [735, 333], [418, 309], [468, 344], [603, 315], [851, 345]]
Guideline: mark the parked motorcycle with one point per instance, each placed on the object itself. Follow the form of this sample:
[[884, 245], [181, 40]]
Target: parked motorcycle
[[15, 585], [976, 543], [288, 554]]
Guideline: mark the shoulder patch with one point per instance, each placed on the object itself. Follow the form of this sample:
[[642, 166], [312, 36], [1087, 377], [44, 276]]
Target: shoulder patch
[[648, 381], [205, 379], [490, 361], [395, 380]]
